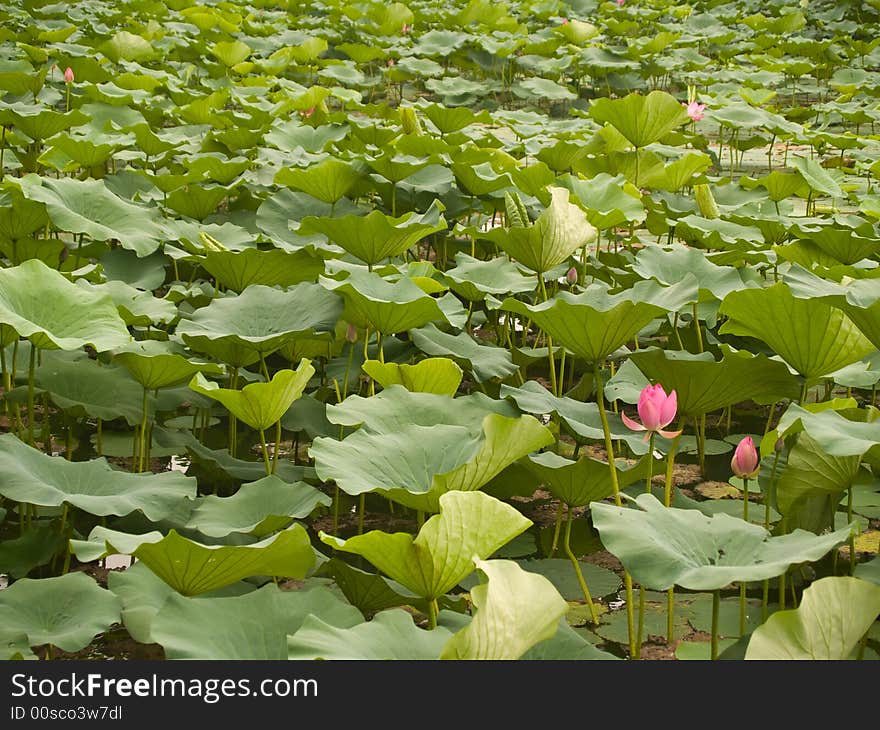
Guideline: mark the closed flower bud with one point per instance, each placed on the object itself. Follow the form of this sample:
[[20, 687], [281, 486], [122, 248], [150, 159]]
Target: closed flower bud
[[68, 75], [745, 462]]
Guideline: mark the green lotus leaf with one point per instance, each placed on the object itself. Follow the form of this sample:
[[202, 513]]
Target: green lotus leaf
[[663, 547], [817, 177], [582, 418], [595, 323], [83, 388], [33, 477], [608, 200], [236, 270], [535, 87], [813, 471], [159, 364], [566, 644], [473, 278], [390, 635], [220, 463], [834, 614], [483, 361], [259, 405], [670, 264], [642, 119], [260, 320], [839, 435], [292, 134], [38, 122], [191, 568], [514, 611], [376, 236], [869, 570], [811, 336], [389, 307], [67, 611], [136, 307], [560, 230], [328, 181], [577, 483], [230, 53], [252, 626], [704, 384], [129, 47], [718, 233], [42, 305], [453, 119], [470, 525], [258, 508], [370, 592], [88, 207], [438, 375]]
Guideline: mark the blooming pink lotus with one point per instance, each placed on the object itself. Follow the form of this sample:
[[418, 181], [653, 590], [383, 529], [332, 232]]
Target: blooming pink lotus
[[745, 462], [68, 75], [620, 3], [695, 110], [656, 409]]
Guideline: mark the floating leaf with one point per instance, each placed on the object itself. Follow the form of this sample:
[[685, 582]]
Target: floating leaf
[[438, 375]]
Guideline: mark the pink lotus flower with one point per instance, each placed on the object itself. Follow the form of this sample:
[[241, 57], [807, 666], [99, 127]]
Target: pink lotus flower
[[656, 409], [620, 3], [405, 29], [308, 112], [390, 61], [351, 333], [695, 110], [68, 75], [565, 21], [571, 276], [745, 462]]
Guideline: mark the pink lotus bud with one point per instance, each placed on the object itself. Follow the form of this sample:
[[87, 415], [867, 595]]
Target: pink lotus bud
[[779, 445], [390, 61], [695, 110], [571, 276], [565, 21], [620, 3], [68, 75], [308, 112], [656, 409], [351, 333], [744, 463]]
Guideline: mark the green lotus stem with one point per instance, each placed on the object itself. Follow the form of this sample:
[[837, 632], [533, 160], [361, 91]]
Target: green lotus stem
[[347, 370], [609, 450], [361, 506], [556, 530], [561, 372], [30, 393], [782, 591], [233, 425], [277, 445], [381, 349], [698, 328], [852, 539], [667, 501], [7, 382], [433, 610], [141, 442], [263, 368], [716, 610], [554, 385], [2, 150], [803, 398], [68, 441], [648, 477], [766, 587], [566, 544], [335, 508], [265, 450], [64, 510], [743, 584]]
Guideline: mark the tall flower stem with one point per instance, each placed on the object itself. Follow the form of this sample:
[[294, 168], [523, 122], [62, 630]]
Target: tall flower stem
[[716, 610], [648, 478], [556, 530], [265, 450], [609, 450], [30, 393], [765, 597], [667, 501], [743, 584], [566, 544]]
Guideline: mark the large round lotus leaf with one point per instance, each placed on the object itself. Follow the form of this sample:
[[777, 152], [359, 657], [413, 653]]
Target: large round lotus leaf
[[452, 119], [582, 418], [389, 307], [391, 634], [329, 181], [664, 546], [260, 320], [259, 508], [470, 525], [438, 375], [813, 337], [259, 405], [704, 384], [641, 119], [473, 278], [33, 477], [670, 264], [236, 270], [67, 611], [370, 592], [838, 435], [376, 236], [159, 364], [252, 626], [514, 611], [608, 200], [577, 483], [88, 207], [833, 616], [43, 306], [484, 361], [566, 644], [811, 471], [83, 387], [396, 407], [136, 307], [36, 546], [560, 230], [595, 323], [192, 568]]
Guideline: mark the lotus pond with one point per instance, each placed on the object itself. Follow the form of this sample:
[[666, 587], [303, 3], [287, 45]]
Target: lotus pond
[[431, 330]]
